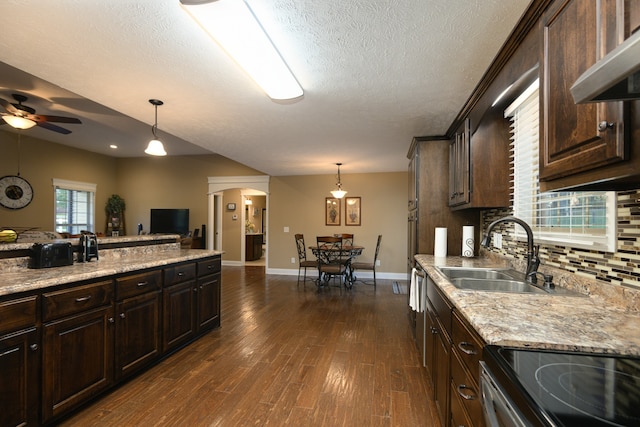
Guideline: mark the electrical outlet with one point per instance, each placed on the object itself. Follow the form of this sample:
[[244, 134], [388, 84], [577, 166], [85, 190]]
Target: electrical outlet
[[497, 240], [377, 263], [293, 260]]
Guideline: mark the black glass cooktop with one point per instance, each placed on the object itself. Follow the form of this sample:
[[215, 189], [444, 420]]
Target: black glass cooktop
[[570, 389]]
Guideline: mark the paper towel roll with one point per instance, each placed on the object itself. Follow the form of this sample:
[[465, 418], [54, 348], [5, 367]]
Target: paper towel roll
[[468, 240], [440, 245]]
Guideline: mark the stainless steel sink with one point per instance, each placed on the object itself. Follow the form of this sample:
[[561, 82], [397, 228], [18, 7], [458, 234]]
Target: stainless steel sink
[[496, 285], [475, 273]]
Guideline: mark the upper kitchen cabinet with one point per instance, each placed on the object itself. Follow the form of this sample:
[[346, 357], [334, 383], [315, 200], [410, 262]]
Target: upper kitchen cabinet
[[592, 145], [479, 163]]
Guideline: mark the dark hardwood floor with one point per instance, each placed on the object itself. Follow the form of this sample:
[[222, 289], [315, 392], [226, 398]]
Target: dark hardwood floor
[[284, 355]]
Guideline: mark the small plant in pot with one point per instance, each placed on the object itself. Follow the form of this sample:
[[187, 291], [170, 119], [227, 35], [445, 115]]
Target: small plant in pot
[[115, 211]]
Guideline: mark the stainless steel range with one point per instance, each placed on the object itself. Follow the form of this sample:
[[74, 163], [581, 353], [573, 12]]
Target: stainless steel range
[[522, 387]]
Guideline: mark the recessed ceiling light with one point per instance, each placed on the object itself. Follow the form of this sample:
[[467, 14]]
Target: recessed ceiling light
[[113, 146]]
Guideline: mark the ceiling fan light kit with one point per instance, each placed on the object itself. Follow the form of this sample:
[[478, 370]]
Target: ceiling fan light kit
[[155, 147], [19, 122], [20, 116], [233, 25]]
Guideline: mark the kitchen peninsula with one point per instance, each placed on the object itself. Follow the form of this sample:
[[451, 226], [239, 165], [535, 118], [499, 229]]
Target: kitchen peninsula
[[69, 333]]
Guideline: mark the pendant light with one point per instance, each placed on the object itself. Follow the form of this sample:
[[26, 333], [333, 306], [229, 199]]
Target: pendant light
[[155, 147], [339, 193]]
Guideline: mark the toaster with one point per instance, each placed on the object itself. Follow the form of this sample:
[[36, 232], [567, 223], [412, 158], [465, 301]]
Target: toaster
[[45, 255]]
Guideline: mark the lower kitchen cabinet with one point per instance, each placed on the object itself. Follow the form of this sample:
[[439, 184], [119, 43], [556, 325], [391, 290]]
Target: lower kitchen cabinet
[[77, 360], [137, 332], [19, 377], [63, 346]]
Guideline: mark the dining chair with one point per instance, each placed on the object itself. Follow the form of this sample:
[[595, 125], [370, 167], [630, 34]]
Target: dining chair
[[303, 262], [369, 265], [347, 239], [330, 263]]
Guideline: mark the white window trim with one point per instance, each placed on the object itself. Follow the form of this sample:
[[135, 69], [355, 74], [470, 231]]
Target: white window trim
[[74, 185]]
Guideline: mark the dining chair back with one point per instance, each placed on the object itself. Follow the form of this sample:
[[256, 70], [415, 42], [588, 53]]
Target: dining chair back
[[347, 239], [330, 257], [369, 265], [302, 258]]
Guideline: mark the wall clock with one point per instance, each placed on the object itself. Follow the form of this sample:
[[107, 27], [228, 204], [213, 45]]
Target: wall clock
[[15, 192]]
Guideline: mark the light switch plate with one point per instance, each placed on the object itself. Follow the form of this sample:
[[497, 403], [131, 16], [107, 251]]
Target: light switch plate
[[286, 229]]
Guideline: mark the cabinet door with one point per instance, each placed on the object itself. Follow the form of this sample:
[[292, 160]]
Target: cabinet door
[[178, 314], [137, 332], [208, 302], [581, 137], [441, 368], [19, 378], [77, 360], [459, 165]]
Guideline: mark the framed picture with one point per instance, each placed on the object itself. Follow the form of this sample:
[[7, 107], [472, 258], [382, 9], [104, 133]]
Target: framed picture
[[332, 211], [352, 211], [231, 206]]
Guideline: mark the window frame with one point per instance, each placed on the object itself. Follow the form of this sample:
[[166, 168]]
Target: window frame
[[75, 186]]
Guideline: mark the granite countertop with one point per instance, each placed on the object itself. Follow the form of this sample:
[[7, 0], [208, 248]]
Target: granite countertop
[[25, 279], [542, 321]]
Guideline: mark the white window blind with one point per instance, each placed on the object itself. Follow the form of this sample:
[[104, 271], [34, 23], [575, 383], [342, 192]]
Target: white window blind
[[576, 218]]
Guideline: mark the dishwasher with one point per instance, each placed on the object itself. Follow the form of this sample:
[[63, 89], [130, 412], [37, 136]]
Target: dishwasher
[[421, 314]]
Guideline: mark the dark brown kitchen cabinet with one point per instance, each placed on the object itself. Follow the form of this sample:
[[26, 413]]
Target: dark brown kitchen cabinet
[[459, 163], [253, 247], [479, 163], [178, 314], [208, 294], [19, 362], [586, 143], [138, 321], [77, 345]]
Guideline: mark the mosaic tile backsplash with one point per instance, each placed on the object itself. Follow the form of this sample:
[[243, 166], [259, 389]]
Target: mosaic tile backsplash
[[621, 268]]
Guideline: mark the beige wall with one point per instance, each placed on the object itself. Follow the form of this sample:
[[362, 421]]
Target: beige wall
[[296, 202], [40, 162]]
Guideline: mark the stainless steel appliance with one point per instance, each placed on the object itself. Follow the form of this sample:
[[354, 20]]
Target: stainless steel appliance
[[522, 387]]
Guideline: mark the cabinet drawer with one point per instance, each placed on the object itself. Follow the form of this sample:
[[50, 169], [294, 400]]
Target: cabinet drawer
[[459, 416], [18, 314], [137, 284], [179, 273], [467, 345], [209, 266], [75, 300], [464, 388]]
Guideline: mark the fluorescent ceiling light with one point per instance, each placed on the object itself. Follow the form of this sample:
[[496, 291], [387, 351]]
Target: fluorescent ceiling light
[[237, 30], [19, 122]]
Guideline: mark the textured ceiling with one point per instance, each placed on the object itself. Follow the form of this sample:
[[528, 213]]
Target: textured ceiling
[[375, 74]]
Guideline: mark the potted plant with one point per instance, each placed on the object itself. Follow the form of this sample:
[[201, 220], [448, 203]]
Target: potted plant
[[115, 211]]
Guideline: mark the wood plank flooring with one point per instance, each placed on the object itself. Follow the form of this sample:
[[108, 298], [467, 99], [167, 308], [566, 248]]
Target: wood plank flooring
[[284, 355]]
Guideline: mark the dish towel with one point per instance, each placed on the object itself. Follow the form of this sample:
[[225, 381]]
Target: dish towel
[[414, 291]]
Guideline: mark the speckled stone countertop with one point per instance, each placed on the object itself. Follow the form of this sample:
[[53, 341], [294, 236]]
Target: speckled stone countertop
[[543, 321], [24, 279]]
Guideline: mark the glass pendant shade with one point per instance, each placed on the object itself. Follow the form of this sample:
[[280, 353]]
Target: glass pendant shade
[[19, 122], [155, 148], [339, 192]]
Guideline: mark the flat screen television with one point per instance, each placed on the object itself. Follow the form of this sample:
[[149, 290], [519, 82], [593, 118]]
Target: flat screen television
[[170, 221]]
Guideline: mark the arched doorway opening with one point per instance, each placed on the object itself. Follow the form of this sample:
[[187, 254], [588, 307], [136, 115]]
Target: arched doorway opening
[[248, 186]]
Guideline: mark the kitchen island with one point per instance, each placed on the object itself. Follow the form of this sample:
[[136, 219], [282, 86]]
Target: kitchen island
[[141, 300]]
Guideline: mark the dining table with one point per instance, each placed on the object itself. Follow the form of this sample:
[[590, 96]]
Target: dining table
[[330, 254]]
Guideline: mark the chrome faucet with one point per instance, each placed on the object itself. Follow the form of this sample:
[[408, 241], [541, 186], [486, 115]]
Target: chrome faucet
[[532, 251]]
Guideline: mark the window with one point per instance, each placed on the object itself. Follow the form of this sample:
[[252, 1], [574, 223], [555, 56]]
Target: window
[[74, 207], [571, 218]]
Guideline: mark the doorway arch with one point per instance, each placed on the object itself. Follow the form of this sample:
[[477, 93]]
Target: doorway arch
[[216, 186]]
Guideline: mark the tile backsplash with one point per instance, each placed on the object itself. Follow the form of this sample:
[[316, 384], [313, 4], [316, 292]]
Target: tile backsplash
[[620, 268]]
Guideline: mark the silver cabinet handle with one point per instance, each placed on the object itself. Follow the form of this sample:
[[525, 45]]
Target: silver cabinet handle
[[83, 299], [180, 274], [604, 125], [111, 320], [122, 315], [467, 348], [467, 396], [142, 284], [33, 347]]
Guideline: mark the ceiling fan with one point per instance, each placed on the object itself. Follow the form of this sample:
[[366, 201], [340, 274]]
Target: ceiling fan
[[24, 117]]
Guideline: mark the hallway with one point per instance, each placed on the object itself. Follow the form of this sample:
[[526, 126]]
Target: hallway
[[284, 355]]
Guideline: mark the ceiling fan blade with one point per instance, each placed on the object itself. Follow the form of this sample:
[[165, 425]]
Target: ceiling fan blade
[[51, 126], [9, 107], [59, 119]]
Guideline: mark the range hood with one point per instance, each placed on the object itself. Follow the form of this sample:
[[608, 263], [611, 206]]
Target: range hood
[[615, 77]]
